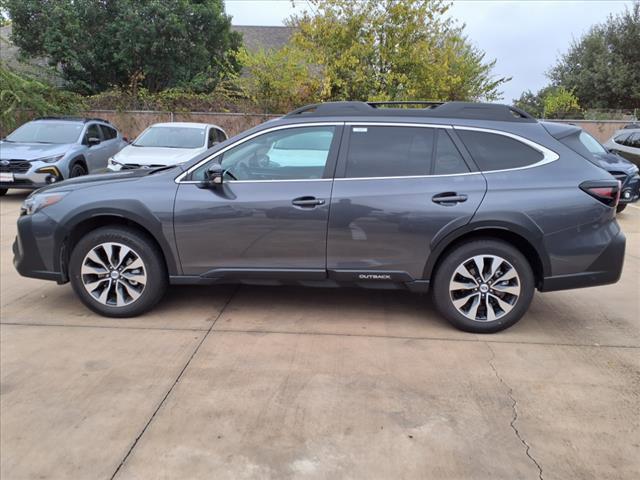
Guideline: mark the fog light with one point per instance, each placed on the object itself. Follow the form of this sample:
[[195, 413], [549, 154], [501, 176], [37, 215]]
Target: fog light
[[626, 194], [53, 171]]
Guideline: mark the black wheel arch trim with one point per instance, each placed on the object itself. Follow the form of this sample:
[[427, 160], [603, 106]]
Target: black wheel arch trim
[[132, 212], [78, 159], [523, 227]]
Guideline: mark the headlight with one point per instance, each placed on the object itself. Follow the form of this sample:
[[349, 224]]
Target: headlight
[[51, 159], [112, 162], [38, 201]]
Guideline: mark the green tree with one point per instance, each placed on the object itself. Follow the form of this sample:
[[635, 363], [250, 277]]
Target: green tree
[[603, 67], [20, 94], [561, 103], [278, 81], [154, 44], [550, 102], [532, 103], [392, 50]]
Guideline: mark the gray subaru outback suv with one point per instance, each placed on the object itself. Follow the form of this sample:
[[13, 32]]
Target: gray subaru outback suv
[[50, 149], [479, 203]]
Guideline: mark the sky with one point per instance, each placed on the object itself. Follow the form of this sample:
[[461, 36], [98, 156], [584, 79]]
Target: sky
[[525, 37]]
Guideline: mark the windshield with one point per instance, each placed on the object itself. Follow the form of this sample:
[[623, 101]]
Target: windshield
[[171, 137], [47, 132], [591, 144]]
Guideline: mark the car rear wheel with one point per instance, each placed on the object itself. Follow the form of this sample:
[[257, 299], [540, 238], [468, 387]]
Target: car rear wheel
[[621, 207], [117, 272], [483, 286], [3, 191], [77, 170]]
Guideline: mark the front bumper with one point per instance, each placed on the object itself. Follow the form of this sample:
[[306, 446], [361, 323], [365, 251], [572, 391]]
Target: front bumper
[[606, 269], [35, 254], [39, 175], [630, 189]]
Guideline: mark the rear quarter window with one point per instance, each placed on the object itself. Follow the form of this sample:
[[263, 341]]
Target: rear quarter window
[[492, 151]]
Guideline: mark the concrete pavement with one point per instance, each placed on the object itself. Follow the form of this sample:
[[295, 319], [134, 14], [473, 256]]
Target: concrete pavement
[[260, 382]]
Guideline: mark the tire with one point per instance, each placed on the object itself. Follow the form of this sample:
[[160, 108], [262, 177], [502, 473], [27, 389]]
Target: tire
[[480, 317], [3, 191], [137, 287], [621, 207], [77, 170]]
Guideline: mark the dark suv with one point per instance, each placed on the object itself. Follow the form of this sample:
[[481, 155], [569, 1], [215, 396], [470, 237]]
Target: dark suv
[[479, 203]]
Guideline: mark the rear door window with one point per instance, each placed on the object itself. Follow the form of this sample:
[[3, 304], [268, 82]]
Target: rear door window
[[108, 133], [389, 151], [493, 151], [634, 141]]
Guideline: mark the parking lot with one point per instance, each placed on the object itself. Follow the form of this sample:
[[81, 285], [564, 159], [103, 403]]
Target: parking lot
[[260, 382]]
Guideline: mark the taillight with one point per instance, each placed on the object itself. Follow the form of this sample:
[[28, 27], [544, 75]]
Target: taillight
[[607, 191]]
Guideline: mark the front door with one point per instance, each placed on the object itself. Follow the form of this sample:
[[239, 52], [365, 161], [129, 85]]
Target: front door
[[269, 217], [396, 188]]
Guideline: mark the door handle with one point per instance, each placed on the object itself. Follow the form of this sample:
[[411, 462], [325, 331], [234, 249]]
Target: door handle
[[449, 197], [307, 202]]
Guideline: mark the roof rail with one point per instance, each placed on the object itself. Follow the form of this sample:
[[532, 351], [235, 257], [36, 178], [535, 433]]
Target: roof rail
[[72, 118], [428, 104], [460, 110]]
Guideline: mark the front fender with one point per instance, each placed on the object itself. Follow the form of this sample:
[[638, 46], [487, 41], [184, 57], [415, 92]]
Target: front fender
[[157, 223]]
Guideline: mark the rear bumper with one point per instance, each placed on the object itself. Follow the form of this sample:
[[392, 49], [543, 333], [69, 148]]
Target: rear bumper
[[606, 269]]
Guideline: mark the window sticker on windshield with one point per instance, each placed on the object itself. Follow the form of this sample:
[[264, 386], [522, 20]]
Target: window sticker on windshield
[[360, 129]]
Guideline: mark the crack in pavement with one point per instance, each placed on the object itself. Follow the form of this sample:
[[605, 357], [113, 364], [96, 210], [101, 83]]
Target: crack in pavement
[[333, 334], [186, 365], [514, 406]]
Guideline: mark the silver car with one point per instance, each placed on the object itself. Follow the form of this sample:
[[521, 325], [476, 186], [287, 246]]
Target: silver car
[[626, 143], [51, 149]]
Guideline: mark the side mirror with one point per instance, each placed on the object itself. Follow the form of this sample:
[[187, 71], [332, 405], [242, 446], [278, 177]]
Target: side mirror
[[93, 141], [213, 176]]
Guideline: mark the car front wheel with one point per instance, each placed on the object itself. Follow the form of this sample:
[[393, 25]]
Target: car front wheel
[[621, 207], [77, 170], [117, 272], [3, 192], [483, 286]]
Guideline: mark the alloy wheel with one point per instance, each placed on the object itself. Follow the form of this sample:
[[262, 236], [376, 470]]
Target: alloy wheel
[[484, 288], [113, 274]]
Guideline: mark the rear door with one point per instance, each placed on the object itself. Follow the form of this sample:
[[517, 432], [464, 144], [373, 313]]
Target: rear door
[[397, 187], [111, 141]]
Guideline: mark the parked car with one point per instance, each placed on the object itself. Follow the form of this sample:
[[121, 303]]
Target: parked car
[[50, 149], [165, 144], [479, 203], [619, 167], [626, 142]]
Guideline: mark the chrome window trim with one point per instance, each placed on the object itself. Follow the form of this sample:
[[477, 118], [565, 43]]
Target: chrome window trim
[[179, 178], [402, 177], [398, 124], [548, 155]]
